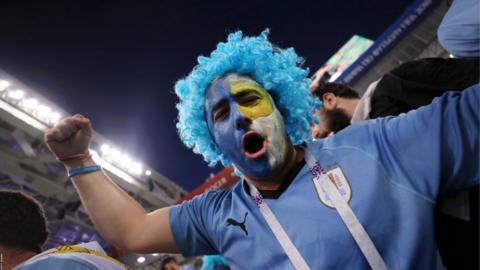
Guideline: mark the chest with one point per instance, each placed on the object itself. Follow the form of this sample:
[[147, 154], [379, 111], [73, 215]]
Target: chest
[[313, 225]]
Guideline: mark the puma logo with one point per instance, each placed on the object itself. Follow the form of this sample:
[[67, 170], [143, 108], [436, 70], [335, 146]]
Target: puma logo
[[231, 221]]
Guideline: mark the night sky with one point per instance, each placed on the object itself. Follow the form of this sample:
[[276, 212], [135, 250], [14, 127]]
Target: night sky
[[117, 62]]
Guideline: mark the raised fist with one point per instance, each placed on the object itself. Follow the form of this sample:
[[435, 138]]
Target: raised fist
[[69, 137]]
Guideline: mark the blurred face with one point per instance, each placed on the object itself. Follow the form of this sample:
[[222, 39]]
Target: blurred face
[[172, 266], [331, 121], [246, 126], [320, 130]]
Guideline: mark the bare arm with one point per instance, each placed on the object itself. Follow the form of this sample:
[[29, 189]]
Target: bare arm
[[118, 217]]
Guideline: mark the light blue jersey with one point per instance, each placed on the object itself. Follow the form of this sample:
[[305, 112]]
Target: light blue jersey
[[459, 31], [86, 256], [393, 170]]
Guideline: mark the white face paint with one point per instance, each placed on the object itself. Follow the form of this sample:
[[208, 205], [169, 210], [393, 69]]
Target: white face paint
[[272, 128]]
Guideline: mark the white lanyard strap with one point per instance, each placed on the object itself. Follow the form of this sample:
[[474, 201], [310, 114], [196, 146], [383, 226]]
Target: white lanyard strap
[[322, 182], [277, 229]]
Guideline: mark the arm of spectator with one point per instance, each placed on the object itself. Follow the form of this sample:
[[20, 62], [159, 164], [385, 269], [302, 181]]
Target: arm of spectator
[[119, 218], [317, 76], [434, 149]]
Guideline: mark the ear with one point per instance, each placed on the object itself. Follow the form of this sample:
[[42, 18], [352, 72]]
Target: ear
[[330, 101]]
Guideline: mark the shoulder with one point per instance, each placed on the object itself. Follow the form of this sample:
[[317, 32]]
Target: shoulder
[[57, 262], [356, 135], [209, 203], [213, 198]]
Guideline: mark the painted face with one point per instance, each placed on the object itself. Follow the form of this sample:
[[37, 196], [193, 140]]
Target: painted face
[[246, 125]]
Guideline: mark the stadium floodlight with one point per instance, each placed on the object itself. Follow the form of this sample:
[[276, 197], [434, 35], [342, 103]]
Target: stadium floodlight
[[16, 94], [55, 117], [110, 167], [25, 106], [43, 112], [22, 115], [29, 104], [136, 168], [105, 148], [141, 259], [148, 172], [114, 155], [125, 161], [4, 85]]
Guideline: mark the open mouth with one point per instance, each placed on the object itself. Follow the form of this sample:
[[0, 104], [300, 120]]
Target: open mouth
[[254, 145]]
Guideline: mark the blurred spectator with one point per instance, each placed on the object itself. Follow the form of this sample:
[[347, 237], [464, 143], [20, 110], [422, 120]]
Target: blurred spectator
[[170, 263], [407, 87], [23, 231], [339, 103]]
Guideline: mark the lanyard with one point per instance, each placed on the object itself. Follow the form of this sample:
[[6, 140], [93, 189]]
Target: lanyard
[[321, 182]]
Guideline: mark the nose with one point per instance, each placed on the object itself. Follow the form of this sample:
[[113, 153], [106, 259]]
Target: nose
[[241, 121]]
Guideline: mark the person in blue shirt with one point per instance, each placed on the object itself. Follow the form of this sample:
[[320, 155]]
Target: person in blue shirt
[[459, 31], [363, 198], [23, 232]]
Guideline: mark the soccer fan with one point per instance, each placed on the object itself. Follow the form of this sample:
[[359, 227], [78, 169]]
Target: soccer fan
[[23, 232], [363, 198]]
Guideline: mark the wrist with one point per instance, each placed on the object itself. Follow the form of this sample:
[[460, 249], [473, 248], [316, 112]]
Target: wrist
[[72, 164]]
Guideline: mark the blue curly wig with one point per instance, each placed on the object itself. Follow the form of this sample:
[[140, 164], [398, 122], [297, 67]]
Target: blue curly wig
[[278, 70]]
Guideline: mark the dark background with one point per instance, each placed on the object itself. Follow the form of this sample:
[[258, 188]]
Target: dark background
[[117, 62]]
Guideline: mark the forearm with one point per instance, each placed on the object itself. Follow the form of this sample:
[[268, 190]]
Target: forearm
[[115, 214], [118, 217]]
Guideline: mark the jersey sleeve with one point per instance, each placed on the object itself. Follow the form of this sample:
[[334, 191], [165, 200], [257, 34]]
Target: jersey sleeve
[[192, 225], [435, 149]]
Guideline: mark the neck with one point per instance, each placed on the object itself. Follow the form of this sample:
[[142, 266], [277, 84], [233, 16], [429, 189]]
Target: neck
[[273, 183], [350, 105], [14, 256]]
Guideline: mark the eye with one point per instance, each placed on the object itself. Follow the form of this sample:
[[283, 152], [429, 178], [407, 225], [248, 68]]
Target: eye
[[248, 99], [220, 113]]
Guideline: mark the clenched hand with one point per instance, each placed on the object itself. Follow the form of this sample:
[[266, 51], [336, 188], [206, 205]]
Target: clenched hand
[[69, 137]]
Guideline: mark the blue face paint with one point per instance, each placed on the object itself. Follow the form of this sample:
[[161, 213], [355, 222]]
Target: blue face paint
[[229, 126]]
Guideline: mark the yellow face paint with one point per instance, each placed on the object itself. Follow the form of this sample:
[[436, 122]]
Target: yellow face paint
[[260, 107]]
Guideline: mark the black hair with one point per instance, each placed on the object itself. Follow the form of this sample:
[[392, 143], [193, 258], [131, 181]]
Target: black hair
[[22, 221], [339, 90], [166, 261]]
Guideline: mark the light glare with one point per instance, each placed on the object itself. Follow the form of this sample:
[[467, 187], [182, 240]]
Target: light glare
[[4, 85], [55, 117], [16, 94], [30, 103], [105, 148]]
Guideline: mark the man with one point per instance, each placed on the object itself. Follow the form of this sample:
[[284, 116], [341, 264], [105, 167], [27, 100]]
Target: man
[[409, 86], [248, 104], [339, 103], [23, 231]]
